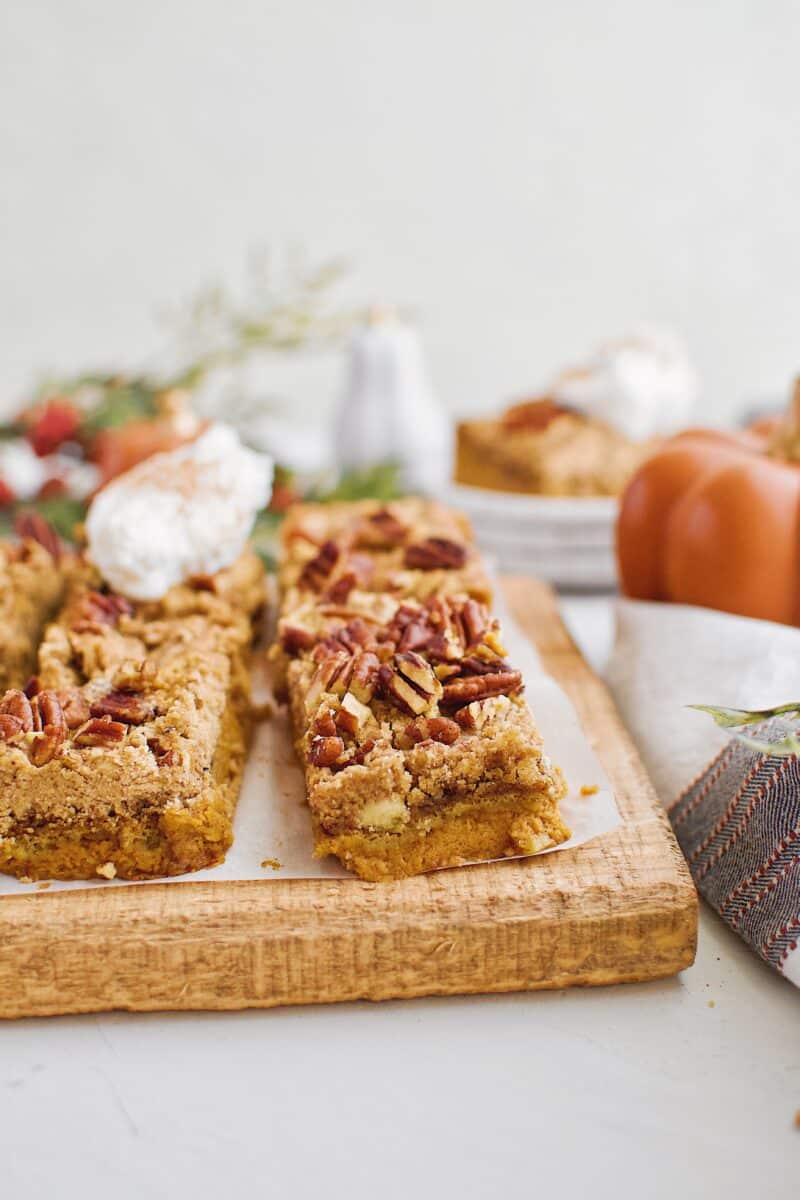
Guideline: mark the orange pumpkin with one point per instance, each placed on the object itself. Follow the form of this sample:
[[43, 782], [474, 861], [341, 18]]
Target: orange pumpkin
[[714, 519]]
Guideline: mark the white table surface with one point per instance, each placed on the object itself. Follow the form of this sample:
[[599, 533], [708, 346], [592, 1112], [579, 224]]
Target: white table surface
[[685, 1088]]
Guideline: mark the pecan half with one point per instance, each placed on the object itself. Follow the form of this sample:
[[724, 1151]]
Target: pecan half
[[101, 731], [434, 729], [465, 689], [98, 609], [324, 751], [317, 570], [32, 687], [46, 745], [32, 525], [10, 727], [127, 707], [435, 553], [47, 713], [74, 706], [16, 704]]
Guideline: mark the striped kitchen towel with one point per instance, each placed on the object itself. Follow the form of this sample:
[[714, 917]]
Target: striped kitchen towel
[[737, 819], [739, 826]]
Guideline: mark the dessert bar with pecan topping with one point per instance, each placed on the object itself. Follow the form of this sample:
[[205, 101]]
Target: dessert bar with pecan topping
[[124, 754], [418, 747], [31, 587]]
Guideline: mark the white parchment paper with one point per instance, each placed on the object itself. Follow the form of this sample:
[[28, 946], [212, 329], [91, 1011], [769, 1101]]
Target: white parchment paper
[[272, 822]]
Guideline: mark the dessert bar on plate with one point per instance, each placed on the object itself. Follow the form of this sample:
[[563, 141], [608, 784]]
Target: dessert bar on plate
[[418, 747], [123, 755]]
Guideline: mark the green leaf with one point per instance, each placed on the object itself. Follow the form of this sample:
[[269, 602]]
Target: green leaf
[[730, 718], [381, 482], [733, 718], [122, 403]]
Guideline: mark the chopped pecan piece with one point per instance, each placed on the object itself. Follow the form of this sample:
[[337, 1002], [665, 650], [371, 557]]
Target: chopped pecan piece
[[419, 673], [295, 638], [434, 729], [16, 704], [127, 707], [475, 619], [32, 687], [400, 692], [32, 525], [474, 665], [415, 636], [202, 583], [435, 553], [327, 679], [10, 727], [324, 751], [325, 723], [353, 715], [364, 676], [134, 676], [317, 570], [356, 756], [534, 415], [164, 756], [381, 530], [101, 731], [340, 589], [465, 689], [476, 714], [74, 706]]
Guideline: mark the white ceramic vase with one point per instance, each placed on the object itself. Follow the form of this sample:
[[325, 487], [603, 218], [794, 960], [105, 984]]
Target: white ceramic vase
[[389, 411]]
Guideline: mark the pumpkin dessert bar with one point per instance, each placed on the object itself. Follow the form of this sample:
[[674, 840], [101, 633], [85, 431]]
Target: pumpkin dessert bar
[[419, 750], [31, 588], [124, 755], [544, 448], [410, 547], [348, 561]]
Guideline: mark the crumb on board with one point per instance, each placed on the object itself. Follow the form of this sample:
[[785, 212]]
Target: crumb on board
[[797, 1119], [263, 710], [274, 863], [26, 879], [107, 870], [712, 1003], [43, 885], [590, 789]]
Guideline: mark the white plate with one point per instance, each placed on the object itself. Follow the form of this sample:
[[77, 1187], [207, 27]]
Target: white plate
[[569, 541]]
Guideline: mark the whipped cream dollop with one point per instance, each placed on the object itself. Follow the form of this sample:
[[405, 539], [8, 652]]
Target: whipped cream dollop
[[183, 513], [642, 385]]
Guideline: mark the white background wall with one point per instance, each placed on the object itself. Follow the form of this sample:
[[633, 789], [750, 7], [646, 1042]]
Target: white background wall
[[529, 176]]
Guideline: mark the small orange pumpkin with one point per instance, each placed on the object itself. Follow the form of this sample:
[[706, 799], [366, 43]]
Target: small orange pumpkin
[[714, 519]]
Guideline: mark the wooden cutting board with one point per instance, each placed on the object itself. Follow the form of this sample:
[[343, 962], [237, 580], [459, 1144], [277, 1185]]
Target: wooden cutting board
[[616, 910]]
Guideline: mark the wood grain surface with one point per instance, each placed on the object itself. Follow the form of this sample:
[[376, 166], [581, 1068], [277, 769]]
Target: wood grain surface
[[618, 909]]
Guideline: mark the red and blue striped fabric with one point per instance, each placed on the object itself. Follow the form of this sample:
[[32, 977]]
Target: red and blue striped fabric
[[739, 826]]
